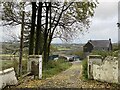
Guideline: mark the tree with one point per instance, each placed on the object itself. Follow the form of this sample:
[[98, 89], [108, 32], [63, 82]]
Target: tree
[[31, 44], [38, 45], [56, 19], [46, 33], [12, 17], [21, 45], [69, 18]]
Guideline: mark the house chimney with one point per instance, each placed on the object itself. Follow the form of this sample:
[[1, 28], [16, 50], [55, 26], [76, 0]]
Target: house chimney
[[90, 40], [110, 39]]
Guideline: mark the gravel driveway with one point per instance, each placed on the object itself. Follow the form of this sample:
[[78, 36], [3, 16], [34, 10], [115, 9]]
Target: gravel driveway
[[71, 78]]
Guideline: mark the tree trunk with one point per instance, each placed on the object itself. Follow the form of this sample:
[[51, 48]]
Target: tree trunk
[[32, 32], [46, 35], [38, 31], [21, 45], [50, 37], [49, 43]]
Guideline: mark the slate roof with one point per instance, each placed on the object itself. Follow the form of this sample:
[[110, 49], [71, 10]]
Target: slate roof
[[100, 43]]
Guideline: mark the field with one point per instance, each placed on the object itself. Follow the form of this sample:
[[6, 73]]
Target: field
[[8, 61]]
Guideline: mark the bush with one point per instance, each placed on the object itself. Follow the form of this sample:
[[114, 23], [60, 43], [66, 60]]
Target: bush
[[105, 53], [84, 69], [115, 53], [115, 47], [102, 53]]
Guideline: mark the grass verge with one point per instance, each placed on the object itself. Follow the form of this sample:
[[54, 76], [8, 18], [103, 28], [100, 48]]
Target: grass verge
[[84, 69], [54, 67]]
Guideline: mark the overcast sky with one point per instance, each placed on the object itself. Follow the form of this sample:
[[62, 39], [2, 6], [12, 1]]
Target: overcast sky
[[103, 24]]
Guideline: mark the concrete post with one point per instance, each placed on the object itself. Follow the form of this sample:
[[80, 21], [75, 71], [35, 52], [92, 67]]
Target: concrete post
[[40, 67], [119, 67], [37, 59], [88, 67]]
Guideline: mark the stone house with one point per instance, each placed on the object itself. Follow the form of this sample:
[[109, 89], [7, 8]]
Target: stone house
[[104, 45]]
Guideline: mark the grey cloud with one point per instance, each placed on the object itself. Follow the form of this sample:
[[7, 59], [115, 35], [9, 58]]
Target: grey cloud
[[104, 23], [106, 10]]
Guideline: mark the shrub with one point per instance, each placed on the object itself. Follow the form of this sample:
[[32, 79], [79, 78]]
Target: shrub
[[115, 53], [105, 53], [102, 53], [115, 47]]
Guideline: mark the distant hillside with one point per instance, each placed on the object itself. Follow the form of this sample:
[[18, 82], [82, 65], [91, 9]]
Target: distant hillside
[[9, 47], [67, 48]]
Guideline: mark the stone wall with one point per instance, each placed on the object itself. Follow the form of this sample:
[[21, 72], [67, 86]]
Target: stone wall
[[7, 77], [103, 69]]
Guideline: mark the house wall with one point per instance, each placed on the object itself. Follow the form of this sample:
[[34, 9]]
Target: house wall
[[104, 70], [88, 47]]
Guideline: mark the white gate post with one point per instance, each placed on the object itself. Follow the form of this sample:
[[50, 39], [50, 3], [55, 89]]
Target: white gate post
[[40, 67], [38, 61]]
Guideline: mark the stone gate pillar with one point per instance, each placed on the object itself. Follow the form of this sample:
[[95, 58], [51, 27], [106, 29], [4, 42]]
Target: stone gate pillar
[[35, 65]]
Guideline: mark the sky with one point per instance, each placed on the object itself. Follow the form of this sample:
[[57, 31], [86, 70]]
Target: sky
[[103, 25]]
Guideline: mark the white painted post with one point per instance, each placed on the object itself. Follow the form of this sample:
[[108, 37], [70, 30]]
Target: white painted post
[[88, 67], [40, 67], [38, 60]]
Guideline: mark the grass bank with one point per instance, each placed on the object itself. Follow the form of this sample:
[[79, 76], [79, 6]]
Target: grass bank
[[54, 67], [84, 69]]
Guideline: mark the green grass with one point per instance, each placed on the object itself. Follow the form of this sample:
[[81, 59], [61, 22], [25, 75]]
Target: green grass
[[7, 64], [63, 48], [54, 67], [105, 53], [13, 62], [84, 69]]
